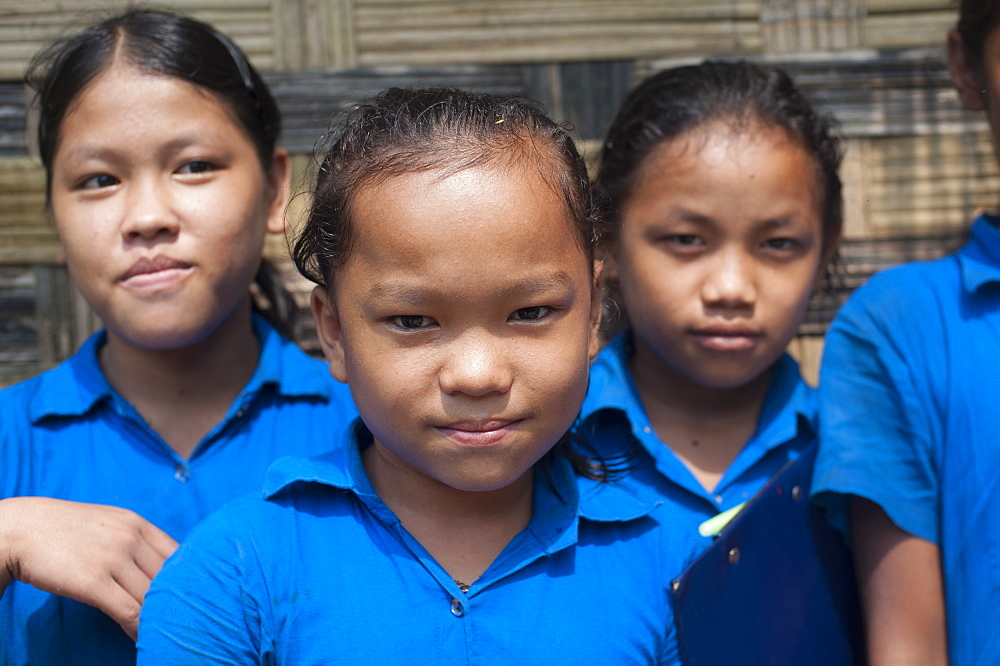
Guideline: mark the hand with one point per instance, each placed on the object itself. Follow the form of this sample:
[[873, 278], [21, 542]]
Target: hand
[[102, 556]]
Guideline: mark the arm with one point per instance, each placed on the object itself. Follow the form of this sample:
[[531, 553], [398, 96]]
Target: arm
[[102, 556], [208, 604], [899, 579]]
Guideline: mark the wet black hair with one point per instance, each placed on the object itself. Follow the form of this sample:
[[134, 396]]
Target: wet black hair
[[976, 20], [743, 95], [404, 131], [168, 44]]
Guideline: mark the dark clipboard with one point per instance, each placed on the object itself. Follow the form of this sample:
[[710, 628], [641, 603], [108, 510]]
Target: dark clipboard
[[776, 586]]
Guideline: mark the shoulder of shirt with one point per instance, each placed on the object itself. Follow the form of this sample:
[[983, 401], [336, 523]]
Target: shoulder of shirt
[[71, 388], [336, 468]]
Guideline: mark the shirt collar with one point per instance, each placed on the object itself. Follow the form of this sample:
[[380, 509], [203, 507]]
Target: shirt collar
[[561, 495], [980, 258], [75, 386], [616, 390], [340, 467], [789, 407], [790, 403], [283, 365]]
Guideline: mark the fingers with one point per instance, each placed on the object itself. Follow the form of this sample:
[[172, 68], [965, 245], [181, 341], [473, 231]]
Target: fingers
[[99, 555], [121, 605], [160, 541]]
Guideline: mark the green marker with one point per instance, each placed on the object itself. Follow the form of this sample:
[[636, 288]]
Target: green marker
[[716, 524]]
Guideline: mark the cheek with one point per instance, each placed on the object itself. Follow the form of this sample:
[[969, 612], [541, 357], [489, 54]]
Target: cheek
[[791, 292], [562, 367]]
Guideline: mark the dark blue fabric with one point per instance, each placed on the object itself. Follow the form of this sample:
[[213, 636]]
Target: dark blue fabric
[[777, 585]]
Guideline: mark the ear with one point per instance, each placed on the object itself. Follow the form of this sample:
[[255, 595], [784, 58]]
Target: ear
[[331, 336], [830, 247], [279, 179], [964, 74], [607, 254], [596, 309]]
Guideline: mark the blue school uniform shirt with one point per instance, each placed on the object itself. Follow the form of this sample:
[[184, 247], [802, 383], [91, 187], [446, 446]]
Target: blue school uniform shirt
[[68, 434], [909, 388], [320, 571], [614, 423]]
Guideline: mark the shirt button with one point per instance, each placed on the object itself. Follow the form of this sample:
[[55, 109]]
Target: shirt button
[[647, 429], [457, 608], [182, 473], [718, 499]]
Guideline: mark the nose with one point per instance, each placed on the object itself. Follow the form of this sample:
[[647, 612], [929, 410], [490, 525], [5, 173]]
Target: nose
[[477, 365], [149, 213], [731, 281]]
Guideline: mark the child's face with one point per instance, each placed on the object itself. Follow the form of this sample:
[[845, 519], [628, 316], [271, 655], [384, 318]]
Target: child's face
[[719, 251], [464, 321], [161, 205], [978, 82]]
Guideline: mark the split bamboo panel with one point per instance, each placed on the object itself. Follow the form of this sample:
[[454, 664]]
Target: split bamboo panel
[[929, 184], [811, 25], [27, 27], [26, 234], [908, 23], [413, 32]]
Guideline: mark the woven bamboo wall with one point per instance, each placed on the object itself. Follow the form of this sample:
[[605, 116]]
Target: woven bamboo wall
[[917, 165]]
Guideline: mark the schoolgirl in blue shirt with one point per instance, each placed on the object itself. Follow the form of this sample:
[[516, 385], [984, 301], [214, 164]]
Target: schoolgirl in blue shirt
[[163, 178], [721, 191], [451, 237], [723, 199], [909, 461]]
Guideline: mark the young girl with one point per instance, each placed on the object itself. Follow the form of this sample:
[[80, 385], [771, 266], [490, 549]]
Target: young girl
[[724, 204], [910, 445], [158, 139], [451, 236], [723, 199]]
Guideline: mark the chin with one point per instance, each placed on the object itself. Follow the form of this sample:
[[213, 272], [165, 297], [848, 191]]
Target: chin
[[153, 338], [485, 481]]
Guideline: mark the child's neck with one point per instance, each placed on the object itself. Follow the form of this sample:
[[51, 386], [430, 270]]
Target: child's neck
[[184, 393], [464, 531], [705, 427]]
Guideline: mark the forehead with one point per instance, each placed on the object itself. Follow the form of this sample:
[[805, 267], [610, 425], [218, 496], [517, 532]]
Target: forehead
[[719, 144], [128, 104], [484, 223]]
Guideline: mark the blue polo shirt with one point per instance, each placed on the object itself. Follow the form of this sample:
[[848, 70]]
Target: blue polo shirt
[[615, 423], [68, 434], [320, 571], [910, 382]]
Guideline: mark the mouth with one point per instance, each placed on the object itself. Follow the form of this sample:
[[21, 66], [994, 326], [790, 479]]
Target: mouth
[[151, 273], [727, 338], [479, 433]]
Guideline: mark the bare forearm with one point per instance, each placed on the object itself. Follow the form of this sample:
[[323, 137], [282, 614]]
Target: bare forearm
[[899, 578]]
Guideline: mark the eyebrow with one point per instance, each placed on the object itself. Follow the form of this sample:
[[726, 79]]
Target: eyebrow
[[769, 223], [92, 152], [409, 295]]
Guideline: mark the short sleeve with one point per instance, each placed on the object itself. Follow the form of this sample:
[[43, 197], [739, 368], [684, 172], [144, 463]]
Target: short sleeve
[[877, 430], [202, 608]]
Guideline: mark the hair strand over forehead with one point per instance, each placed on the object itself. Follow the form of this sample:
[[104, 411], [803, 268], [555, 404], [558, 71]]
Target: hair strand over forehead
[[405, 131]]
